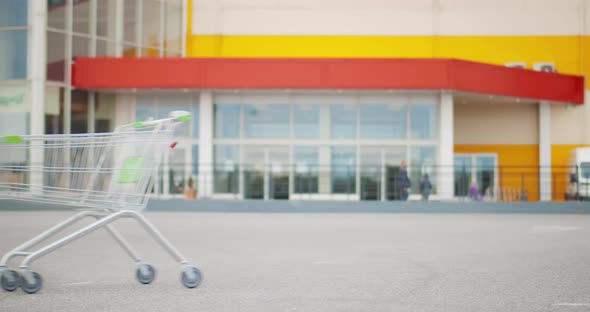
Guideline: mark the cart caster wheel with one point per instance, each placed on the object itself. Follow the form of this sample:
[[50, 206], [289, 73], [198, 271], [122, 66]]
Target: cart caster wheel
[[145, 273], [10, 280], [31, 288], [191, 281]]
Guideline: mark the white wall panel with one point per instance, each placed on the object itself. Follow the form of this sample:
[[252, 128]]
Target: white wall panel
[[393, 17], [509, 17], [487, 122], [569, 124], [306, 17]]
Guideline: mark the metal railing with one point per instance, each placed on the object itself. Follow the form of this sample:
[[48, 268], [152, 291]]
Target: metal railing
[[376, 183]]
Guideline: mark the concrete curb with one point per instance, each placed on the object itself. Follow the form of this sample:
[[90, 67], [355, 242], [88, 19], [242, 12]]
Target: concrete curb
[[259, 206]]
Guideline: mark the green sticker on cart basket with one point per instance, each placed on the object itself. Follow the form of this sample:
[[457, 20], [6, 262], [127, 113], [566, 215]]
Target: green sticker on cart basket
[[132, 170], [13, 139]]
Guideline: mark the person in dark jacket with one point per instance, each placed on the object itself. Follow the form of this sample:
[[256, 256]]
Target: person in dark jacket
[[425, 187], [404, 181]]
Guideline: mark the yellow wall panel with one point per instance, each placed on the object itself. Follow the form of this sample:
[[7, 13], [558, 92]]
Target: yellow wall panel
[[569, 53]]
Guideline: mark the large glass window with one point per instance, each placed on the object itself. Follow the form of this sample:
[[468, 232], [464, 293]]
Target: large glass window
[[81, 13], [383, 121], [13, 12], [151, 28], [157, 106], [195, 116], [266, 121], [306, 120], [226, 173], [423, 121], [13, 56], [306, 160], [343, 169], [54, 103], [398, 122], [56, 55], [176, 170], [130, 21], [170, 103], [79, 117], [227, 121], [173, 29], [195, 166], [371, 173], [343, 121], [80, 46], [56, 14], [145, 107], [105, 19], [105, 112]]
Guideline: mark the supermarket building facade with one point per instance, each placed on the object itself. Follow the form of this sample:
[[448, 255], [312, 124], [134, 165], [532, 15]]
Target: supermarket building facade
[[314, 99]]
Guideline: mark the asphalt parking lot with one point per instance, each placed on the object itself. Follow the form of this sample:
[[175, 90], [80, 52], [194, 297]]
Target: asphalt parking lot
[[318, 262]]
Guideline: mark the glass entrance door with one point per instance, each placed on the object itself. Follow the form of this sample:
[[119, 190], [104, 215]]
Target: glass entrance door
[[463, 169], [254, 171], [278, 175], [475, 175], [485, 167], [266, 172], [380, 171], [371, 171]]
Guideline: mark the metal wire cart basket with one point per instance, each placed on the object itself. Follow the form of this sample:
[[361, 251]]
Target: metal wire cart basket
[[106, 176]]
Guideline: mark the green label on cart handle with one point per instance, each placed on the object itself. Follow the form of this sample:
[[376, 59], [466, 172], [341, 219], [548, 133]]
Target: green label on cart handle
[[138, 124], [13, 139], [184, 118]]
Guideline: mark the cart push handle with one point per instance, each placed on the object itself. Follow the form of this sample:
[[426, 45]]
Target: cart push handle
[[174, 117], [179, 116]]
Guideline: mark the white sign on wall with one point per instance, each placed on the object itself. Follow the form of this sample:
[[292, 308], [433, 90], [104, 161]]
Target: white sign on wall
[[15, 99]]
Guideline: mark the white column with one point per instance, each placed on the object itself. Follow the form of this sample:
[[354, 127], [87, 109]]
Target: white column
[[545, 151], [139, 27], [115, 27], [325, 155], [119, 22], [185, 30], [162, 31], [91, 112], [93, 7], [68, 71], [37, 67], [445, 180], [205, 179], [36, 63]]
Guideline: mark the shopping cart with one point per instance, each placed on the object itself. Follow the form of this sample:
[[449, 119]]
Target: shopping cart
[[107, 176]]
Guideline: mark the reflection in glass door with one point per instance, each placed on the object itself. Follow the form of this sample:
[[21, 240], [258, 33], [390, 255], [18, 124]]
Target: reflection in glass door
[[266, 172], [380, 167], [254, 160], [371, 169], [393, 157], [462, 175], [476, 171], [278, 176], [176, 170], [485, 166]]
